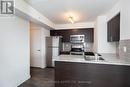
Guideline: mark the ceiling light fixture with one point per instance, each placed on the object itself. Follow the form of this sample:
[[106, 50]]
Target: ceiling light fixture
[[71, 19]]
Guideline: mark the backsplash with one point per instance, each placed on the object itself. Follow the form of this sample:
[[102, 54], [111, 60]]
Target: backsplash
[[88, 47], [67, 47], [124, 50], [117, 48]]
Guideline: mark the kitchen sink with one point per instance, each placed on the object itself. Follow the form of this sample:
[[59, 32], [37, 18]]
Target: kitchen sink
[[91, 58], [91, 54]]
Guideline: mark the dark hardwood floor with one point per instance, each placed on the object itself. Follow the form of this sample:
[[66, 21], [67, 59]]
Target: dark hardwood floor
[[40, 78]]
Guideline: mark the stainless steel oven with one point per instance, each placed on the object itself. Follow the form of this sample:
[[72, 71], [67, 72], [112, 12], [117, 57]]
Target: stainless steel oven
[[77, 38], [77, 49]]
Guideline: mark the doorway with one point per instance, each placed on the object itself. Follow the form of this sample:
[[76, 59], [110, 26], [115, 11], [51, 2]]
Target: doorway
[[38, 36], [35, 49]]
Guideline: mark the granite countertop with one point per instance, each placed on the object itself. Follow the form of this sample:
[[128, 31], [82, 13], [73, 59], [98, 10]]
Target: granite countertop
[[111, 59]]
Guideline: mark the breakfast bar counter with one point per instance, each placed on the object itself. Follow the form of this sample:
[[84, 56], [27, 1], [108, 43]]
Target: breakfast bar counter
[[111, 59], [75, 71]]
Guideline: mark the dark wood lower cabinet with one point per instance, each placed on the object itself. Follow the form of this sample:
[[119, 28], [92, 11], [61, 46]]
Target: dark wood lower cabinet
[[70, 74]]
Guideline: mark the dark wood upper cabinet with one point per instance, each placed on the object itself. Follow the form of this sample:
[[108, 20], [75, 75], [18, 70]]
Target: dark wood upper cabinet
[[88, 32], [113, 29]]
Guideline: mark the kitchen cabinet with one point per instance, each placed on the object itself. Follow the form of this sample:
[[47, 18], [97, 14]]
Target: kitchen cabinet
[[91, 75], [88, 32], [113, 29], [64, 33]]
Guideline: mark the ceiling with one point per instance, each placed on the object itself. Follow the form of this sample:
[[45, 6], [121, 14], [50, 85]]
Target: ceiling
[[58, 11]]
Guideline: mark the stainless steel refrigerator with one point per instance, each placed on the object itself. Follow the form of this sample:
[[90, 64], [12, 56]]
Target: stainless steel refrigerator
[[53, 46]]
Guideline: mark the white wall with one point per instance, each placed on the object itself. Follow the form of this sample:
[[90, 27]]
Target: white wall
[[75, 25], [114, 11], [44, 34], [100, 37], [125, 19], [14, 51], [95, 46]]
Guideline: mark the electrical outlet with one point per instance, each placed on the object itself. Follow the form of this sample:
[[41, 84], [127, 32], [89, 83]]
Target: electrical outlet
[[125, 49]]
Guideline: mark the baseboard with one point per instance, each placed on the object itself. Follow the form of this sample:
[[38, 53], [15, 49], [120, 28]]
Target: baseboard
[[24, 80]]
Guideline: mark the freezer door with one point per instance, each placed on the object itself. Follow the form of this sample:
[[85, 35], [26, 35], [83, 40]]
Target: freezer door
[[52, 49], [55, 41], [49, 41], [49, 51]]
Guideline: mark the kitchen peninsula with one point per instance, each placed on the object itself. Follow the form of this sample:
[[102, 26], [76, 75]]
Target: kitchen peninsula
[[78, 72]]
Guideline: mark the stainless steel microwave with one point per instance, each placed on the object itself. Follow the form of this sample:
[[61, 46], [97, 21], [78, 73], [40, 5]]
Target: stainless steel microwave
[[77, 38]]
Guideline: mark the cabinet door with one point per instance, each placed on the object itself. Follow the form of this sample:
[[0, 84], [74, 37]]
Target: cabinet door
[[114, 29], [66, 35], [51, 32], [90, 35], [54, 33], [109, 31], [88, 32], [93, 75], [116, 32]]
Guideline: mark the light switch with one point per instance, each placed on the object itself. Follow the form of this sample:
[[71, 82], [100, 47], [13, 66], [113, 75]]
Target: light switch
[[125, 49]]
